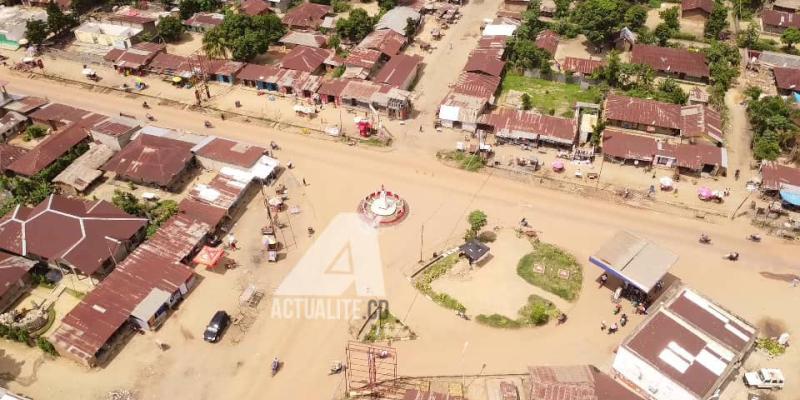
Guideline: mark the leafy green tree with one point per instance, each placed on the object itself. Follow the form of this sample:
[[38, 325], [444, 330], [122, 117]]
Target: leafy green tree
[[340, 6], [477, 220], [718, 20], [215, 44], [562, 8], [386, 5], [610, 72], [790, 37], [57, 21], [128, 202], [187, 8], [600, 19], [723, 60], [753, 92], [527, 103], [36, 31], [635, 17], [767, 147], [243, 37], [663, 33], [669, 91], [774, 130], [525, 55], [531, 25], [670, 17], [170, 29], [411, 27], [748, 38], [35, 132], [356, 26], [46, 346]]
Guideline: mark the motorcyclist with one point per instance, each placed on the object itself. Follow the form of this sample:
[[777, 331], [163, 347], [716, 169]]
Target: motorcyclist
[[145, 105], [704, 238]]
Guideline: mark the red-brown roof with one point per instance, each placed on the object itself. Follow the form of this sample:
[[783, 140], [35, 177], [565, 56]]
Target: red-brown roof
[[131, 18], [258, 72], [695, 310], [645, 112], [332, 87], [773, 176], [492, 42], [363, 58], [152, 159], [9, 154], [230, 152], [304, 58], [484, 63], [116, 126], [386, 41], [397, 71], [49, 150], [255, 7], [705, 5], [306, 15], [209, 214], [580, 382], [672, 60], [478, 85], [62, 114], [530, 125], [547, 40], [169, 64], [82, 233], [582, 65], [135, 57], [12, 269], [779, 19], [619, 144], [627, 146], [26, 104], [787, 78], [205, 20]]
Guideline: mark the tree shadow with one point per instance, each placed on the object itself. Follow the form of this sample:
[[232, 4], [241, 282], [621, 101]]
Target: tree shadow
[[10, 368]]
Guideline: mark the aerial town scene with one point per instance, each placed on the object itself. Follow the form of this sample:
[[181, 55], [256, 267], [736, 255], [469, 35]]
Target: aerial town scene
[[400, 199]]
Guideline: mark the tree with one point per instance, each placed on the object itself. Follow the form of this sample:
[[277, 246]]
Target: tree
[[599, 18], [356, 26], [386, 5], [717, 21], [748, 38], [187, 8], [525, 55], [663, 33], [476, 220], [610, 72], [128, 202], [562, 8], [723, 60], [36, 31], [340, 6], [35, 132], [790, 37], [170, 29], [766, 147], [772, 120], [635, 17], [752, 92], [243, 37], [670, 17], [411, 27], [57, 21], [527, 104], [669, 91], [214, 44], [531, 25]]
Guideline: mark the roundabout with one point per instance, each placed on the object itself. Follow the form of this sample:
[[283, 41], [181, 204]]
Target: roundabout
[[383, 208]]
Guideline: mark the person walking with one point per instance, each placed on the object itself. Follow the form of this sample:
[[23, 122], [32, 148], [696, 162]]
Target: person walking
[[304, 182], [602, 326]]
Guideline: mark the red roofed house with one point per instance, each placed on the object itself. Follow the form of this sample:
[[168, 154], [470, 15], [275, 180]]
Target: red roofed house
[[9, 154], [547, 40], [469, 97], [689, 348], [679, 63], [581, 66], [485, 63], [579, 382], [203, 21], [361, 62], [115, 132], [310, 39], [386, 41], [697, 10], [215, 153], [218, 201], [787, 80], [259, 76], [306, 59], [773, 21], [133, 20], [49, 150], [525, 126], [773, 176], [152, 160], [254, 7], [14, 278], [134, 59], [57, 115], [400, 72], [306, 16], [70, 233]]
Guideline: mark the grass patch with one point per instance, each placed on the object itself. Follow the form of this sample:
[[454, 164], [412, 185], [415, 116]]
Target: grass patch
[[76, 293], [464, 160], [552, 259], [375, 141], [387, 327], [433, 272], [550, 97], [537, 312]]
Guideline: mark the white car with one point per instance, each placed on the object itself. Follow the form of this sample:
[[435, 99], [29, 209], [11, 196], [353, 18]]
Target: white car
[[764, 378]]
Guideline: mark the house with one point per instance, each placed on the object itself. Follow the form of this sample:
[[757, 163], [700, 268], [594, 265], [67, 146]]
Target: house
[[306, 16], [49, 150], [581, 66], [485, 63], [85, 170], [367, 95], [71, 234], [9, 154], [280, 5], [215, 153], [254, 7], [397, 18], [262, 77], [400, 72], [299, 83], [696, 10], [688, 348], [152, 160], [140, 292], [15, 280], [579, 382], [690, 159], [58, 115], [219, 200], [115, 132], [526, 126], [775, 176], [134, 59], [11, 124], [203, 21], [790, 6], [773, 21], [25, 105], [134, 19], [625, 39], [386, 41], [474, 251], [547, 40], [13, 24], [361, 63], [505, 30], [492, 45], [469, 97], [306, 59], [171, 65], [674, 62], [105, 34], [309, 39], [221, 71]]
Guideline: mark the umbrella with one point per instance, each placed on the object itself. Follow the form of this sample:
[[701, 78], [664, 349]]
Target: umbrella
[[87, 71], [558, 165], [705, 192], [665, 181], [176, 79]]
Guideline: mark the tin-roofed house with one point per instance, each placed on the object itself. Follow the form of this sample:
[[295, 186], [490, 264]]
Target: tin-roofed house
[[154, 161], [203, 21], [15, 279]]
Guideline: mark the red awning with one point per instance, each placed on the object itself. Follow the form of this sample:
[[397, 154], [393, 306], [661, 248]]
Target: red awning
[[209, 256]]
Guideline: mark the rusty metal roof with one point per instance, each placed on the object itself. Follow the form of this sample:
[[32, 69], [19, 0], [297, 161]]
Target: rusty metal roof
[[306, 15], [304, 58], [575, 382], [152, 159], [49, 150], [705, 5], [582, 65], [530, 125], [230, 152], [774, 175], [9, 154], [672, 60], [397, 71], [386, 41], [362, 57], [547, 40]]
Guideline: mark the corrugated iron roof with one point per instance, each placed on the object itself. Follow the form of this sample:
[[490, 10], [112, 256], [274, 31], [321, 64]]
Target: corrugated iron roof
[[386, 41], [579, 382], [397, 71], [672, 60], [153, 159], [547, 40], [705, 5], [304, 58], [773, 176], [306, 15], [230, 152], [582, 65], [530, 125], [49, 150]]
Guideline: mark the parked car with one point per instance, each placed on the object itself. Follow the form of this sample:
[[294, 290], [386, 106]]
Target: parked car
[[764, 378], [216, 326]]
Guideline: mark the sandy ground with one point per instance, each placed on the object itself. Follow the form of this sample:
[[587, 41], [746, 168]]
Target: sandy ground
[[576, 47], [189, 44]]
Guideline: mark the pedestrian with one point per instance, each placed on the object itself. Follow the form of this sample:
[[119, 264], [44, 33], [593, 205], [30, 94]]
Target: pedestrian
[[736, 175], [231, 241], [420, 129], [603, 279], [795, 282], [613, 328], [304, 182], [602, 326], [623, 320]]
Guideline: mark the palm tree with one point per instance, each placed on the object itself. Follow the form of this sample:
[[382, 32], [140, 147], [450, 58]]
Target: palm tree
[[214, 44]]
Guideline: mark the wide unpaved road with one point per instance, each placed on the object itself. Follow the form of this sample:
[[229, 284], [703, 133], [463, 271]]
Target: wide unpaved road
[[439, 197]]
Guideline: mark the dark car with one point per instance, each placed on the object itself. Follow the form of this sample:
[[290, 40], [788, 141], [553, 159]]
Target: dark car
[[218, 323]]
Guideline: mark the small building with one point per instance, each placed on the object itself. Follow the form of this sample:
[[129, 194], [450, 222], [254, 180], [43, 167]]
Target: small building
[[698, 96], [696, 10], [25, 105], [505, 30], [367, 95], [485, 63], [215, 153], [547, 40], [298, 83], [673, 62], [625, 39], [688, 348], [221, 199], [474, 251], [581, 66], [530, 127], [361, 63], [578, 382], [397, 18], [468, 99], [133, 60], [634, 261], [775, 176], [310, 39], [255, 7], [787, 80], [262, 77], [133, 19], [13, 24], [773, 21], [203, 21], [9, 154], [306, 59], [306, 16], [11, 124], [222, 71], [105, 34], [115, 132], [789, 6], [153, 161], [78, 177], [49, 150], [15, 280], [58, 115], [400, 72], [386, 41], [171, 65]]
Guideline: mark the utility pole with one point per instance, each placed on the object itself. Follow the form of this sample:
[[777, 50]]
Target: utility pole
[[421, 237]]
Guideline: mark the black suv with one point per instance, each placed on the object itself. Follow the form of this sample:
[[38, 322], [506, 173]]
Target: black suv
[[218, 323]]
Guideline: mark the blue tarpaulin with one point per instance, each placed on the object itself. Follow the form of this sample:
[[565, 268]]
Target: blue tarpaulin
[[791, 196], [796, 97]]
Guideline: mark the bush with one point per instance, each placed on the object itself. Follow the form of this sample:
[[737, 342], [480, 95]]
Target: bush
[[340, 6], [487, 237], [536, 312], [34, 132], [497, 321], [771, 346], [433, 272], [46, 346]]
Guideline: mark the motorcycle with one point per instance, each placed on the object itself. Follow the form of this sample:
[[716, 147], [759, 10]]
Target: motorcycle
[[207, 124], [336, 368], [150, 117], [276, 365], [145, 105], [732, 256], [754, 238], [704, 239]]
